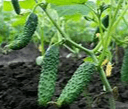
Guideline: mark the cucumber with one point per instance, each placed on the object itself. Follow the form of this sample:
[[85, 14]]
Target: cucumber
[[105, 22], [29, 29], [124, 68], [48, 75], [16, 6], [76, 84]]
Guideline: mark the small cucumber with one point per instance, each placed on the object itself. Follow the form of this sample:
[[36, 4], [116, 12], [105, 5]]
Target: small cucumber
[[29, 29], [16, 6]]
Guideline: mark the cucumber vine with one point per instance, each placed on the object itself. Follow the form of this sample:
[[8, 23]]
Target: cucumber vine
[[84, 72]]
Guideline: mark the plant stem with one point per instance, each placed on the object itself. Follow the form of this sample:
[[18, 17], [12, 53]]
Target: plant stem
[[71, 50], [107, 36], [108, 87], [101, 31], [91, 9], [116, 11], [89, 52], [104, 79], [118, 40], [107, 39], [120, 17], [105, 82], [97, 47], [111, 28], [36, 6], [42, 41], [57, 26]]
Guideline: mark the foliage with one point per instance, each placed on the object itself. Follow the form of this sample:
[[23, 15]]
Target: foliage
[[16, 22], [74, 10], [8, 7], [64, 2], [4, 30], [67, 23]]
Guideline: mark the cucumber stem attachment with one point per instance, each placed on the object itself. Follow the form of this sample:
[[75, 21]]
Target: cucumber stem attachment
[[89, 52], [36, 6]]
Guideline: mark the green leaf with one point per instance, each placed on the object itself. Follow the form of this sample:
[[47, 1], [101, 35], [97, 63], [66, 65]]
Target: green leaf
[[88, 59], [20, 20], [1, 39], [75, 9], [66, 2], [69, 10], [4, 29], [27, 4], [24, 4], [100, 2], [7, 6]]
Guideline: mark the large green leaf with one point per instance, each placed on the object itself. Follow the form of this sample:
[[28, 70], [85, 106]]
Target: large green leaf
[[75, 9], [66, 2], [25, 4], [71, 9], [20, 20]]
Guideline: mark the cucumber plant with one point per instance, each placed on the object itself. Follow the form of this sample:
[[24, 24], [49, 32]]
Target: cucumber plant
[[16, 6], [99, 54]]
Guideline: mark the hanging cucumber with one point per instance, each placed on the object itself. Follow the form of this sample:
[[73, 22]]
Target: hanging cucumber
[[48, 75], [105, 22], [29, 29], [16, 6], [76, 84], [124, 68]]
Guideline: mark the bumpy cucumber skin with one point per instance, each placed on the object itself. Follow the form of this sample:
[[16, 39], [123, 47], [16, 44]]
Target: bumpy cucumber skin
[[29, 29], [48, 75], [76, 84], [16, 6], [124, 68]]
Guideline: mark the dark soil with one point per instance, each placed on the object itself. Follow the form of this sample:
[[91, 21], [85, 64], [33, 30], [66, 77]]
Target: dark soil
[[19, 76]]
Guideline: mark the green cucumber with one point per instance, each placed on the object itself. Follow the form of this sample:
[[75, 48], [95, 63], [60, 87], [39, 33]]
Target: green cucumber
[[16, 6], [124, 68], [48, 75], [105, 22], [76, 84], [29, 29]]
